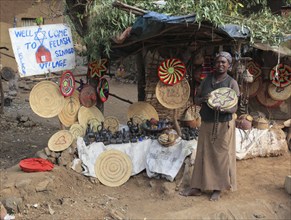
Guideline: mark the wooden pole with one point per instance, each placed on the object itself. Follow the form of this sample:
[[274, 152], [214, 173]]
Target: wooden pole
[[2, 95], [176, 124]]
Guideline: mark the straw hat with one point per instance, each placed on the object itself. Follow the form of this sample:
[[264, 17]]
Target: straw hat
[[224, 97], [88, 96], [279, 93], [85, 114], [60, 140], [46, 100], [264, 98], [175, 96], [113, 168], [69, 114], [77, 130], [111, 123], [143, 109]]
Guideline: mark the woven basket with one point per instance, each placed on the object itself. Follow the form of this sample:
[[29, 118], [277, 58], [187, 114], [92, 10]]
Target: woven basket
[[191, 117], [261, 123]]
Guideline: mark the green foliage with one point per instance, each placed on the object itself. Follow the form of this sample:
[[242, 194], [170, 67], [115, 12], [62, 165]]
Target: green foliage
[[39, 20], [264, 26], [106, 21]]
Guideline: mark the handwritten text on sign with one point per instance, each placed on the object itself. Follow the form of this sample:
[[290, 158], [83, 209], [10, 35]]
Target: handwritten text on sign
[[43, 49]]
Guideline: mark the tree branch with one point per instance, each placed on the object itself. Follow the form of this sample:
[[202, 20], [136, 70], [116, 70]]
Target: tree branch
[[128, 8]]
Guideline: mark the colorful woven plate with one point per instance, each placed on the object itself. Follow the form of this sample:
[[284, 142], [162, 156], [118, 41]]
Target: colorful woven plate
[[283, 76], [254, 69], [67, 83], [103, 89], [224, 97], [97, 68], [171, 71]]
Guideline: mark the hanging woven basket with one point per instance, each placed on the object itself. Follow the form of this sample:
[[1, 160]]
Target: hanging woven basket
[[280, 75], [191, 117], [171, 71]]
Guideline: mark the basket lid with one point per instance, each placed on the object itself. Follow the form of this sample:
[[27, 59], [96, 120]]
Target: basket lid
[[88, 96], [69, 113], [143, 109], [111, 123], [173, 97], [279, 93], [77, 130], [264, 98], [224, 97], [113, 168], [46, 100], [253, 87], [60, 141], [85, 114]]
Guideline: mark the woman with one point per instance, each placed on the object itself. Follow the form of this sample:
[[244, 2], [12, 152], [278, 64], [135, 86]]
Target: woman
[[215, 163]]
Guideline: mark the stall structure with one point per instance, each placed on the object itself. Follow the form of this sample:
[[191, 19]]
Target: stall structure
[[158, 37]]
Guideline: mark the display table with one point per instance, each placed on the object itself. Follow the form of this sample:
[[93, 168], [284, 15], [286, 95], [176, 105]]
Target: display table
[[147, 154], [160, 161]]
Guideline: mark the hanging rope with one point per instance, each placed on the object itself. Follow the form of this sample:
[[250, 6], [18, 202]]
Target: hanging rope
[[215, 126], [278, 62]]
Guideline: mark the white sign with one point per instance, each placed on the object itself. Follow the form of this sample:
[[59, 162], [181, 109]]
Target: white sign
[[43, 49]]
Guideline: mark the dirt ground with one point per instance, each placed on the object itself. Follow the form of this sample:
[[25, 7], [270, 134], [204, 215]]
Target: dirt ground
[[65, 194]]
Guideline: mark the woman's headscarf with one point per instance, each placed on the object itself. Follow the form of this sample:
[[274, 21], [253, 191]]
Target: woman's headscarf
[[227, 56]]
